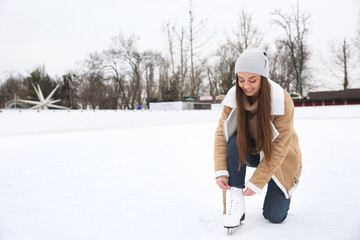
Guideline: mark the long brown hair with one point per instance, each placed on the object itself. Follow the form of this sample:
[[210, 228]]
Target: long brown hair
[[264, 133]]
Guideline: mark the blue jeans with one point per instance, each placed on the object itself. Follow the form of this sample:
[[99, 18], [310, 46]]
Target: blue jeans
[[276, 206]]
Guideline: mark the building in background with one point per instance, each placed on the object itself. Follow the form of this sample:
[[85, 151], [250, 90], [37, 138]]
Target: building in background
[[326, 98]]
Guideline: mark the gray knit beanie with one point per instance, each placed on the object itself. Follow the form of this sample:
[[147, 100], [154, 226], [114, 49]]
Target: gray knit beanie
[[253, 61]]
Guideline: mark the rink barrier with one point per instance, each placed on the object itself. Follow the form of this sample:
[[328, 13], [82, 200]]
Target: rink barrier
[[17, 121], [20, 121]]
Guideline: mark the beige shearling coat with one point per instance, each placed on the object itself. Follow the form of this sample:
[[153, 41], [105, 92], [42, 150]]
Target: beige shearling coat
[[285, 166]]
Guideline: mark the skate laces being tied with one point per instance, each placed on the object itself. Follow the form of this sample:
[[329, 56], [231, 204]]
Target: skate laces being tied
[[234, 201]]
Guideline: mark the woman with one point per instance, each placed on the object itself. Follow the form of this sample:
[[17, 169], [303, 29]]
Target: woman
[[256, 129]]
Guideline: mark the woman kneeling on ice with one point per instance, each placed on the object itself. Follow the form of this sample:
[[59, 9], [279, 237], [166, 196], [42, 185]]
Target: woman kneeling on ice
[[256, 130]]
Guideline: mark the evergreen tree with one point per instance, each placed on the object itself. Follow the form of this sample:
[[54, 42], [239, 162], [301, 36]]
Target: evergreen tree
[[41, 78]]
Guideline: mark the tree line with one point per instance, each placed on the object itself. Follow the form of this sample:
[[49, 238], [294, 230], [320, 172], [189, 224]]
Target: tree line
[[124, 77]]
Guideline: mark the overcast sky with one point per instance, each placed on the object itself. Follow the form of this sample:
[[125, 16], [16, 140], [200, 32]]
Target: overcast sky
[[61, 33]]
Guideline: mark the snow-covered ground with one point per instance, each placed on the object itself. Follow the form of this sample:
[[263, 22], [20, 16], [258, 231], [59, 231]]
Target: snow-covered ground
[[149, 175]]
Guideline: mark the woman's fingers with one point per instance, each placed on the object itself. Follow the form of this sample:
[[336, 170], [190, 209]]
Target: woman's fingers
[[223, 183], [249, 192]]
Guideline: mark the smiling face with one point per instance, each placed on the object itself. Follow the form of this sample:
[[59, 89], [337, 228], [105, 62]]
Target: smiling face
[[250, 83]]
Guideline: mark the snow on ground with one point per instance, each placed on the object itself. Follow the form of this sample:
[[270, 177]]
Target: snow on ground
[[149, 175]]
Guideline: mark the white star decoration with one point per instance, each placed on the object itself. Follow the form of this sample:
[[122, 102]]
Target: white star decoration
[[43, 103]]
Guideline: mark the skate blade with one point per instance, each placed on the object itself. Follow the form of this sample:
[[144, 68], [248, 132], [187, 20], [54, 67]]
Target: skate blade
[[232, 230]]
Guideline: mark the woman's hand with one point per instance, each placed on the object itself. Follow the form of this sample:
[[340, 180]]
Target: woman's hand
[[223, 183], [249, 192]]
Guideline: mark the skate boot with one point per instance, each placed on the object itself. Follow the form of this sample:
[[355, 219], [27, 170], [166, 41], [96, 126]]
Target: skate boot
[[236, 209]]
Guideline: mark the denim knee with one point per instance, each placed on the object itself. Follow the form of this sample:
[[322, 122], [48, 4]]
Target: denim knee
[[276, 206], [274, 218]]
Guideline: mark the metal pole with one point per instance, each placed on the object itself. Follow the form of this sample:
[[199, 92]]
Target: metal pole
[[298, 51], [15, 99]]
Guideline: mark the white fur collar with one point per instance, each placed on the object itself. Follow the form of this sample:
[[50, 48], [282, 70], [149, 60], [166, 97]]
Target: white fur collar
[[277, 98]]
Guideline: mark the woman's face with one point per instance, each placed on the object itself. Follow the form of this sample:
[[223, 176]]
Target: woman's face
[[250, 83]]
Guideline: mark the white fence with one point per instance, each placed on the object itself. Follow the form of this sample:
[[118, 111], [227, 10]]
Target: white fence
[[178, 106]]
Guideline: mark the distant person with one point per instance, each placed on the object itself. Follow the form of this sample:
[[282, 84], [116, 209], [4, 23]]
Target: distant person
[[256, 130]]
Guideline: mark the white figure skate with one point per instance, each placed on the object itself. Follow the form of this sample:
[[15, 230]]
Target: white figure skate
[[236, 210]]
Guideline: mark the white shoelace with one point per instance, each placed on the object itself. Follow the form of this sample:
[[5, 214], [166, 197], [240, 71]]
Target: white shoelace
[[234, 204]]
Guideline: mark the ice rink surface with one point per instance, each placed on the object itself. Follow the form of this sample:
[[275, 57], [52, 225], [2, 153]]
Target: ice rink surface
[[149, 175]]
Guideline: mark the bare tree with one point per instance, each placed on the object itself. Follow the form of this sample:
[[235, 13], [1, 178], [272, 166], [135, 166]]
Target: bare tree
[[342, 57], [356, 44], [14, 87], [175, 63], [152, 62], [356, 39], [68, 91], [91, 83], [183, 67], [246, 35], [191, 40], [196, 32], [170, 40], [357, 34], [115, 70], [125, 50], [214, 88], [281, 67], [288, 22], [169, 84]]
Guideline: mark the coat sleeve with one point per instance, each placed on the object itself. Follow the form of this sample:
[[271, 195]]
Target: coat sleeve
[[280, 147], [220, 146]]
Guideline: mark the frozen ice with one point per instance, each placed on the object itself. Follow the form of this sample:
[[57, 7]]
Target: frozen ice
[[149, 175]]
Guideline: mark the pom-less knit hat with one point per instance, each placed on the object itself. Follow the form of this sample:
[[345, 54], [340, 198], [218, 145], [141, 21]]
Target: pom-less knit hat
[[253, 61]]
